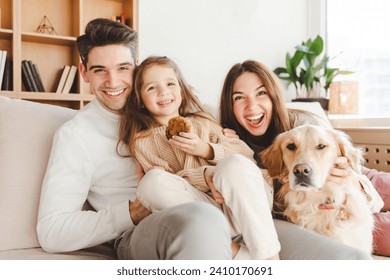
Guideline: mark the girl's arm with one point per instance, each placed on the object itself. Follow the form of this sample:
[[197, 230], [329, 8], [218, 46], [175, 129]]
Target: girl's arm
[[224, 146], [148, 154], [207, 141], [191, 144]]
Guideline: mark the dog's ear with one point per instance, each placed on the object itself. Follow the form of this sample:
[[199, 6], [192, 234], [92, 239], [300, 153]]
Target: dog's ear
[[348, 150], [272, 159]]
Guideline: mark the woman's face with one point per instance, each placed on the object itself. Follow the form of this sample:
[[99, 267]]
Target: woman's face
[[252, 106]]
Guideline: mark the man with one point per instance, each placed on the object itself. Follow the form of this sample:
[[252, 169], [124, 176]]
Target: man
[[84, 166]]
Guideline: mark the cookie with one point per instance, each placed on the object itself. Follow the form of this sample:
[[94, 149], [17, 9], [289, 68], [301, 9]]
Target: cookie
[[176, 125]]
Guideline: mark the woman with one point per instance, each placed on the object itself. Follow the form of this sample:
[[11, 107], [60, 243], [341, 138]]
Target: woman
[[252, 107]]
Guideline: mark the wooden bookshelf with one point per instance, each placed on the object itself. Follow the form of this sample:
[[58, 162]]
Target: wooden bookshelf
[[50, 51]]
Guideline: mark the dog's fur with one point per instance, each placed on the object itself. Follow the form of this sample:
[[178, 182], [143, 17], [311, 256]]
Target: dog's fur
[[301, 160]]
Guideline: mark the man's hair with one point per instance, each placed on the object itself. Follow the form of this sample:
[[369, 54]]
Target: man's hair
[[102, 32]]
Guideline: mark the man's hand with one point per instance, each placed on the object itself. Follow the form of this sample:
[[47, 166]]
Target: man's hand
[[191, 144], [137, 211], [230, 133], [208, 176], [342, 174]]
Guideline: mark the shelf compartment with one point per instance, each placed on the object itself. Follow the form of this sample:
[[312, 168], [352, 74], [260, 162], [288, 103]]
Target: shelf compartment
[[6, 8], [50, 68], [59, 15]]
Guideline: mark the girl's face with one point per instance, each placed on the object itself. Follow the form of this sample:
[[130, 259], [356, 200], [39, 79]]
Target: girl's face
[[161, 93], [252, 106]]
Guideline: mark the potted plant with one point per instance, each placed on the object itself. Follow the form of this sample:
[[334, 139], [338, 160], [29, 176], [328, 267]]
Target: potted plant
[[308, 71]]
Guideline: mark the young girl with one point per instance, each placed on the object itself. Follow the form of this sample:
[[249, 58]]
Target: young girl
[[202, 165]]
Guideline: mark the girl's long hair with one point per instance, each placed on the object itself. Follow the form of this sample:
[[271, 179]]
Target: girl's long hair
[[135, 118]]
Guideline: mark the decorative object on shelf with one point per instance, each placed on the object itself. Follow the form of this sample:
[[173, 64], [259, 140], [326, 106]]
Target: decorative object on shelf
[[46, 27], [121, 18], [308, 71], [344, 98]]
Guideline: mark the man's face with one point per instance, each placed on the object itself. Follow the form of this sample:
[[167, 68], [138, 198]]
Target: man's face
[[110, 74]]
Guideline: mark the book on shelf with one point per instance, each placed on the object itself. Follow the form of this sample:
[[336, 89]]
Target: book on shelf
[[3, 58], [36, 76], [74, 88], [8, 75], [27, 77], [64, 75], [69, 79]]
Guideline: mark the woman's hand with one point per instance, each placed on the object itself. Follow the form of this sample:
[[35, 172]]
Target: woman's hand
[[208, 176], [191, 144], [230, 133], [342, 174]]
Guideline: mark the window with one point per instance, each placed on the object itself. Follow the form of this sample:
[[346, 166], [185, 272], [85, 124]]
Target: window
[[358, 34]]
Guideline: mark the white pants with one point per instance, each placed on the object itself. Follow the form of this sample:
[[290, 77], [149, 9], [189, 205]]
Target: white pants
[[246, 200]]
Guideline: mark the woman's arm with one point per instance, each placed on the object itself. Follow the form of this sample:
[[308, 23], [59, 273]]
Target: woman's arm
[[342, 174]]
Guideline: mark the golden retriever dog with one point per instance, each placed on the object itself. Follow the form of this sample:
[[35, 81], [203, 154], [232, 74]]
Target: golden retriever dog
[[300, 161]]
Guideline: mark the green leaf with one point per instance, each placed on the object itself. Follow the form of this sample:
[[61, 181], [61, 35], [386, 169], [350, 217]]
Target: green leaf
[[296, 59], [317, 46], [280, 70]]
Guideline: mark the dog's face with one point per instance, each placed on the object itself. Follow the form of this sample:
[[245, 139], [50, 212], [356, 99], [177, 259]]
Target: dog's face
[[306, 154]]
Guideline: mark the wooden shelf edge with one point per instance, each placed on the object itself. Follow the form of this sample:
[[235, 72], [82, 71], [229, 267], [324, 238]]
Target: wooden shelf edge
[[36, 37], [6, 31], [49, 96]]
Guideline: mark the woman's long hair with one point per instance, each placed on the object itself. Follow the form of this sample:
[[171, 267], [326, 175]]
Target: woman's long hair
[[280, 117]]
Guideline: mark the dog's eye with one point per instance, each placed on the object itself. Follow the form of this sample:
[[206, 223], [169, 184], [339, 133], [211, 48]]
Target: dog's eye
[[291, 147], [321, 146]]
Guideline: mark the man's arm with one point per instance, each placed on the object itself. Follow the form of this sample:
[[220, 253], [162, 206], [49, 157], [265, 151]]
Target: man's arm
[[62, 225]]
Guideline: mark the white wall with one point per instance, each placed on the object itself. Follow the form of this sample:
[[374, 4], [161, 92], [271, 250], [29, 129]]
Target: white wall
[[206, 37]]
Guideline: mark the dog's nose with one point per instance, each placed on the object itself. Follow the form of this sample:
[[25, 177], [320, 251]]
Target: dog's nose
[[302, 171]]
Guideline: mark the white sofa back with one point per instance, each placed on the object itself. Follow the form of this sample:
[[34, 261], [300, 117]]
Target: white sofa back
[[26, 133]]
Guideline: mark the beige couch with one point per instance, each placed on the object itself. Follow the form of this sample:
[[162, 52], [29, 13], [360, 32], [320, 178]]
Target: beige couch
[[26, 132]]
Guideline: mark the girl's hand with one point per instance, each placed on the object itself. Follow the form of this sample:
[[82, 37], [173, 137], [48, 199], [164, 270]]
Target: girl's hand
[[230, 133], [208, 176], [191, 144], [342, 174]]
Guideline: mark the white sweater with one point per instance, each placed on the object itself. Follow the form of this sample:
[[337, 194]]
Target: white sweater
[[84, 165]]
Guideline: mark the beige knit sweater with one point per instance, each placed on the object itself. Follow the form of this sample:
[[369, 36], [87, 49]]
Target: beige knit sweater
[[154, 150]]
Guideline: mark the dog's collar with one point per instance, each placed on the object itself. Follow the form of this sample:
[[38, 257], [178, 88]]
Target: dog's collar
[[342, 214], [328, 205]]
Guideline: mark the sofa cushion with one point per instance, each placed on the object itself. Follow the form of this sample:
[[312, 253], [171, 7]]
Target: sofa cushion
[[381, 182], [382, 234], [26, 133], [100, 252]]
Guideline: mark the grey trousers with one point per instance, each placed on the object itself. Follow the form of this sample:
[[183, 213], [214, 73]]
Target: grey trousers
[[199, 231], [191, 231], [300, 244]]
